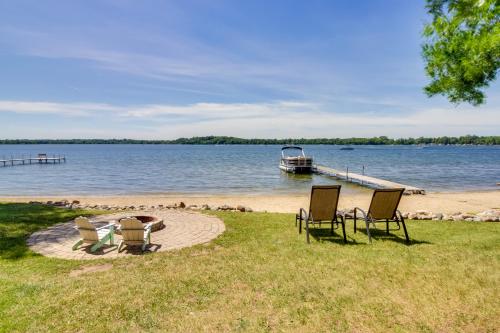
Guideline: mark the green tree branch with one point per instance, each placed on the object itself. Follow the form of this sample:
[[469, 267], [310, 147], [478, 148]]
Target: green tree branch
[[462, 48]]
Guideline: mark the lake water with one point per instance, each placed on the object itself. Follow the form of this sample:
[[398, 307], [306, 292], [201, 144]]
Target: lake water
[[246, 169]]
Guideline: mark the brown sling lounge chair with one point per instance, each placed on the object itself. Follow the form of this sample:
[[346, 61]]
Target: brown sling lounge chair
[[383, 208], [322, 209]]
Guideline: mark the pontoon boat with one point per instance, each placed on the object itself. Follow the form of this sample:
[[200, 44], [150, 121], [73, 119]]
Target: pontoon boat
[[293, 159]]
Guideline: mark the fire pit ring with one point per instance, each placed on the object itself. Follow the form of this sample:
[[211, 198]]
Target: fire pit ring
[[157, 223]]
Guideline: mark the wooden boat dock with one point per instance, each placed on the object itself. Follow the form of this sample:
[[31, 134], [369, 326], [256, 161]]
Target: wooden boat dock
[[40, 159], [364, 180]]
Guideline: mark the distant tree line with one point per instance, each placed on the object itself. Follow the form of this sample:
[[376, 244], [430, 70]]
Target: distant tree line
[[228, 140]]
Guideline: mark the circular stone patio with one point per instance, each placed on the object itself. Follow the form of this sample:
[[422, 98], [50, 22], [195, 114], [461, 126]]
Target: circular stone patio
[[182, 229]]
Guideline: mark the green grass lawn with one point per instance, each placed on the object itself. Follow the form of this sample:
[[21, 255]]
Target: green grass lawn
[[260, 275]]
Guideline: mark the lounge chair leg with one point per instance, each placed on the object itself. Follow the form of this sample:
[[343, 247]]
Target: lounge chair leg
[[300, 225], [77, 244], [143, 247], [343, 228], [387, 226], [406, 232], [307, 232], [368, 231], [331, 229], [355, 223]]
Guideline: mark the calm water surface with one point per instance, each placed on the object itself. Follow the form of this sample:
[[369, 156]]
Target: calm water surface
[[143, 169]]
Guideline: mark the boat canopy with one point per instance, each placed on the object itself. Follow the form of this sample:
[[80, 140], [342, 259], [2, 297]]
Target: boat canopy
[[292, 148]]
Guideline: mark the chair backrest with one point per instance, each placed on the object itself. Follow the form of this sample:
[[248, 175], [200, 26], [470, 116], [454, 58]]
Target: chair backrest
[[132, 229], [87, 230], [385, 203], [324, 201]]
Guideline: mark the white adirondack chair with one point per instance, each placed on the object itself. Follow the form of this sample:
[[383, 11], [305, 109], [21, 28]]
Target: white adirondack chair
[[90, 234], [134, 233]]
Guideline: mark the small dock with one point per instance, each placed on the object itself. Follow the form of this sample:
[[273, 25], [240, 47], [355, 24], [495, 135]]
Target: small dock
[[364, 180], [40, 159]]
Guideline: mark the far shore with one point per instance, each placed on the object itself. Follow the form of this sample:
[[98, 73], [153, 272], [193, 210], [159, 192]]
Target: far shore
[[437, 202]]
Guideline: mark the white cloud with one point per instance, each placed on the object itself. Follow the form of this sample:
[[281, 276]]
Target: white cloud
[[65, 109], [219, 110], [151, 111], [276, 119]]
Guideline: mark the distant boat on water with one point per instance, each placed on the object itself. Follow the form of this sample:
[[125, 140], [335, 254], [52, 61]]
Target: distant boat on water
[[347, 148], [294, 160]]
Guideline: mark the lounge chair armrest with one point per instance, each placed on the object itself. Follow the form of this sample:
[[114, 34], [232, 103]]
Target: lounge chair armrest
[[303, 214], [345, 214], [306, 216], [400, 215], [362, 212]]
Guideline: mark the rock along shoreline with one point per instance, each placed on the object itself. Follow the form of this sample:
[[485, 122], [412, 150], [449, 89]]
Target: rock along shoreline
[[490, 215]]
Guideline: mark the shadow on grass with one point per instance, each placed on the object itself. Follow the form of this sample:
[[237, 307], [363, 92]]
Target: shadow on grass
[[19, 220], [325, 235], [381, 234]]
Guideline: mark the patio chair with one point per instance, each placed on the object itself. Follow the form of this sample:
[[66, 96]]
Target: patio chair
[[95, 236], [322, 210], [383, 208], [134, 233]]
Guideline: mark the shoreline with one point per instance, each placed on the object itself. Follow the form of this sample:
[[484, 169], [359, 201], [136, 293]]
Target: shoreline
[[442, 202]]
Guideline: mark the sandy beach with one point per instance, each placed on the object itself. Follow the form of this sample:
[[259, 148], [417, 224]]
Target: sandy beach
[[442, 202]]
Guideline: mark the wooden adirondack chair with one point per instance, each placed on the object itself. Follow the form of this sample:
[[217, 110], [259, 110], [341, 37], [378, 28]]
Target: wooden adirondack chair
[[134, 233], [90, 234]]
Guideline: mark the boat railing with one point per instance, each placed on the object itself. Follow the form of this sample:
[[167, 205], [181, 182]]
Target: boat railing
[[298, 161]]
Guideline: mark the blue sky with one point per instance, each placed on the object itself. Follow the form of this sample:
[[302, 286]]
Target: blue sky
[[166, 69]]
